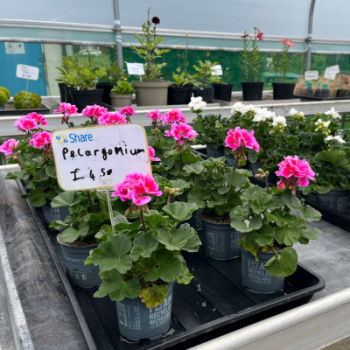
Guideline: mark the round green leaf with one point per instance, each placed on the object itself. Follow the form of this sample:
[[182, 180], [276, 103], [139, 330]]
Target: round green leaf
[[144, 245], [177, 239], [37, 197], [283, 265], [199, 197], [287, 235], [180, 211], [65, 199]]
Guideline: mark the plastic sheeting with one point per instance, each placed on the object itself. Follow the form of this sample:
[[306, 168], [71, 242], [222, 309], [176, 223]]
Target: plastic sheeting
[[48, 311]]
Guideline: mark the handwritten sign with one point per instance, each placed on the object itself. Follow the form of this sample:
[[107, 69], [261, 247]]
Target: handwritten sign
[[311, 75], [216, 70], [14, 48], [27, 72], [331, 72], [135, 68], [99, 157]]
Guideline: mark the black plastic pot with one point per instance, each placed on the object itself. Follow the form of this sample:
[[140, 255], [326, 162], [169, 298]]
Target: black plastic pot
[[85, 276], [220, 241], [272, 178], [223, 91], [83, 98], [137, 322], [68, 94], [106, 87], [215, 151], [62, 89], [53, 214], [252, 91], [334, 199], [179, 95], [283, 91], [206, 94], [254, 275]]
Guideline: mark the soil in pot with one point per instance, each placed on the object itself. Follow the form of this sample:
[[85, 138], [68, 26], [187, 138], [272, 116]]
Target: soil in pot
[[120, 101], [220, 240], [75, 254], [215, 151], [283, 91], [83, 98], [334, 199], [53, 214], [106, 87], [252, 91], [223, 91], [151, 93], [206, 94], [179, 95], [272, 178], [137, 322]]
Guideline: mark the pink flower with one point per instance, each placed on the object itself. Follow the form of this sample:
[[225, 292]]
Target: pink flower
[[260, 36], [244, 36], [152, 153], [66, 109], [41, 139], [181, 133], [25, 124], [174, 116], [38, 118], [137, 194], [151, 186], [127, 111], [94, 111], [240, 138], [110, 118], [282, 184], [154, 115], [287, 42], [9, 146]]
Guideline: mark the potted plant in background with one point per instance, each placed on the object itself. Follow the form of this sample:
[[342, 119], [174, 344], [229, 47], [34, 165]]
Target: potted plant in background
[[269, 229], [223, 91], [4, 97], [26, 100], [121, 94], [151, 91], [204, 78], [141, 262], [64, 85], [281, 89], [252, 91]]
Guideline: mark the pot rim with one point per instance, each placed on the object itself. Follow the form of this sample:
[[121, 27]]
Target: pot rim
[[214, 223], [81, 247], [120, 95], [333, 189], [73, 91]]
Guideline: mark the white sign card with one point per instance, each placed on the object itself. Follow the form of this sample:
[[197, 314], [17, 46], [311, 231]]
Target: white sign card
[[311, 75], [99, 157], [14, 48], [216, 70], [331, 72], [135, 68], [27, 72]]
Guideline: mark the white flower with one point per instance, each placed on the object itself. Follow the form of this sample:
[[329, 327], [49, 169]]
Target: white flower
[[338, 138], [293, 111], [197, 104], [237, 107], [320, 122], [333, 114], [280, 120], [249, 108], [263, 115]]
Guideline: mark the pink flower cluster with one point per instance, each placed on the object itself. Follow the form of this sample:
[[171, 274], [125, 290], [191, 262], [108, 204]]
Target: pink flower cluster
[[135, 186], [30, 122], [9, 146], [152, 153], [112, 118], [94, 111], [66, 109], [41, 139], [294, 171], [181, 133], [174, 116], [127, 111], [154, 115], [240, 138], [287, 42]]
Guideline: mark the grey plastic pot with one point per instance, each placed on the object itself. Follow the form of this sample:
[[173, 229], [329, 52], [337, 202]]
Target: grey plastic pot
[[137, 322], [334, 199], [254, 275], [53, 214], [215, 151], [151, 93], [120, 100], [272, 178], [85, 276], [220, 241]]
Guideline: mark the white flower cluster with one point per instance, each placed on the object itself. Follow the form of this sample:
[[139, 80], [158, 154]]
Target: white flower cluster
[[197, 104], [279, 121], [337, 138], [321, 124], [263, 115], [293, 112], [243, 109], [333, 114]]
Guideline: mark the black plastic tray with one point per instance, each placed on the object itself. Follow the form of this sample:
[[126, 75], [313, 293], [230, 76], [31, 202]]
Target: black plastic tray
[[314, 98], [43, 109]]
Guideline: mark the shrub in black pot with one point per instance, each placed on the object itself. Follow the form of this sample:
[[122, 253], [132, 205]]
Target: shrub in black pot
[[222, 91], [180, 90]]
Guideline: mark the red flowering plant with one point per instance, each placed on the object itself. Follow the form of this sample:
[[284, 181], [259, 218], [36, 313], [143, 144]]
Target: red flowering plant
[[280, 61], [266, 221], [34, 155], [144, 256]]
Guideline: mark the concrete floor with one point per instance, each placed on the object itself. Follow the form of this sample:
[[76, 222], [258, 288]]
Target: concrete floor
[[6, 339]]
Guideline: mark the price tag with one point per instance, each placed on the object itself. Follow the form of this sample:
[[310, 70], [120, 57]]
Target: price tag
[[99, 157], [311, 75], [27, 72], [14, 48], [135, 68], [331, 72], [216, 70]]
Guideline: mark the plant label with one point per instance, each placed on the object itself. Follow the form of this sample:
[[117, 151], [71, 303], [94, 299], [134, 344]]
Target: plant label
[[135, 68], [331, 72], [99, 157], [216, 70], [27, 72], [14, 48], [311, 75]]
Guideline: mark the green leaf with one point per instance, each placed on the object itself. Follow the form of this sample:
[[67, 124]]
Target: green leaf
[[323, 188], [22, 175], [144, 245], [65, 199], [180, 211], [168, 267], [59, 225], [261, 202], [291, 201], [112, 254], [113, 284], [153, 219], [177, 239], [283, 265], [51, 171], [105, 231], [219, 199], [235, 179], [252, 156], [41, 175], [266, 235], [153, 296], [195, 168], [37, 197], [69, 235], [311, 234], [51, 194], [286, 219], [287, 235], [199, 196], [309, 214], [239, 224], [179, 183], [333, 156], [192, 244]]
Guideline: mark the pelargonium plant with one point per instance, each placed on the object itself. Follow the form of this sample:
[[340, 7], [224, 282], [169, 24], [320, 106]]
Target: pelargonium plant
[[144, 256], [156, 117], [128, 112], [94, 112], [112, 118], [67, 110], [266, 221], [197, 105]]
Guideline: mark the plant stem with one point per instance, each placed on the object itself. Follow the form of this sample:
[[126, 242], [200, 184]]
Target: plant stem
[[180, 157], [236, 164], [143, 221], [169, 200], [189, 147], [267, 185], [91, 206]]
